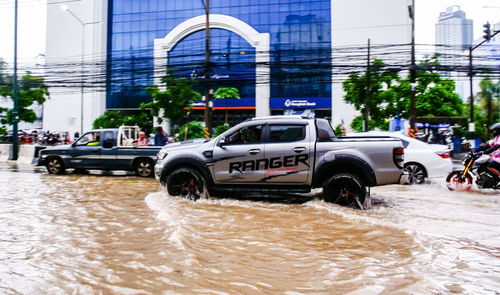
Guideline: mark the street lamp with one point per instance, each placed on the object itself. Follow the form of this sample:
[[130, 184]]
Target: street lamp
[[66, 8]]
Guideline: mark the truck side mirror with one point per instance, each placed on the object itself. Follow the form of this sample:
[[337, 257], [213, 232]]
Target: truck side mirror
[[222, 142], [107, 143]]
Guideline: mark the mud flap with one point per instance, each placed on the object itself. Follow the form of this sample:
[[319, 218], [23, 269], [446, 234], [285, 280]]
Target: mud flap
[[367, 204]]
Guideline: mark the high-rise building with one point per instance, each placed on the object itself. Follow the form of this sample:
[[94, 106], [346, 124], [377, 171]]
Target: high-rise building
[[453, 35]]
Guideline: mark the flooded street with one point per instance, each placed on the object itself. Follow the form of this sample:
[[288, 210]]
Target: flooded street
[[86, 234]]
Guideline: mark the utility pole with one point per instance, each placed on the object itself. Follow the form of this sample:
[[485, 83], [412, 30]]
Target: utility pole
[[413, 70], [208, 105], [366, 124], [15, 111], [471, 97]]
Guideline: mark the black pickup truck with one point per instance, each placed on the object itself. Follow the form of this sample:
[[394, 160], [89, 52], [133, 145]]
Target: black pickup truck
[[102, 149]]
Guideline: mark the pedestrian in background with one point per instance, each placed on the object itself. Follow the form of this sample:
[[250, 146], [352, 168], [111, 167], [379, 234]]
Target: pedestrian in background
[[161, 137]]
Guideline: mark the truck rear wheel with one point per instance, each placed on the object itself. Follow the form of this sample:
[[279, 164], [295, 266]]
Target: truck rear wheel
[[187, 183], [55, 165], [144, 167], [345, 189]]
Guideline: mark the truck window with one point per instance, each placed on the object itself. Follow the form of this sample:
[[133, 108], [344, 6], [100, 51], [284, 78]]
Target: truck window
[[286, 133], [107, 139], [325, 131], [246, 135], [89, 139]]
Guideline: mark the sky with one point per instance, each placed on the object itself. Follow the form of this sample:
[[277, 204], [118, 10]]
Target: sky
[[32, 23], [31, 30], [427, 13]]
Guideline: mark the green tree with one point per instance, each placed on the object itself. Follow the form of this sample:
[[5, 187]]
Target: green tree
[[194, 130], [31, 89], [434, 96], [226, 93], [115, 119], [110, 119], [174, 102], [390, 95], [486, 107], [3, 133], [487, 99], [338, 130], [381, 93], [220, 129]]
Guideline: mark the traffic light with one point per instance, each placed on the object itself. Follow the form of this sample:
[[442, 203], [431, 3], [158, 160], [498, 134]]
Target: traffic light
[[487, 31]]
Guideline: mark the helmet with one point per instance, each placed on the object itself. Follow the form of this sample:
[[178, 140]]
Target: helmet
[[495, 129]]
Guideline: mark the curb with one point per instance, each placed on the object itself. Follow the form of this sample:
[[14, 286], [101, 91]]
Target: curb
[[26, 155]]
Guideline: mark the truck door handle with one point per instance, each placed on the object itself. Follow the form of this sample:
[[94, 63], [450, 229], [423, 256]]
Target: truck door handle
[[299, 149], [254, 151]]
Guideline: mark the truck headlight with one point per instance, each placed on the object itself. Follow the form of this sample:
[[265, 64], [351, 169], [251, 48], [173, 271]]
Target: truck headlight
[[162, 155]]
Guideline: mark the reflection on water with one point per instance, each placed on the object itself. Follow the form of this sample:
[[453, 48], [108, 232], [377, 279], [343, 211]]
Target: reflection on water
[[108, 234]]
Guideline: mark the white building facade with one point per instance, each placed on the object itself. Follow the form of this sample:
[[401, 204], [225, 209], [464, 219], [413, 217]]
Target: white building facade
[[72, 33]]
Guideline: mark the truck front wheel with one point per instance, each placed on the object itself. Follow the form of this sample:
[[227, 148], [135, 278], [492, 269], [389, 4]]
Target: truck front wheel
[[187, 183], [144, 167], [345, 189], [55, 165]]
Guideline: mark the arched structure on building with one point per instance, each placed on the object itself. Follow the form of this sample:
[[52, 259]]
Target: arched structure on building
[[260, 41]]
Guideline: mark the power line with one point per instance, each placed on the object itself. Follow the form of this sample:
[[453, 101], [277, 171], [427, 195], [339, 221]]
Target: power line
[[293, 66]]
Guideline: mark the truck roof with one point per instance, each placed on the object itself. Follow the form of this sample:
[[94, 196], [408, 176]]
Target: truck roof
[[280, 117], [103, 129], [114, 129]]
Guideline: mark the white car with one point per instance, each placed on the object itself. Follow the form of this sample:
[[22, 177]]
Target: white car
[[422, 160]]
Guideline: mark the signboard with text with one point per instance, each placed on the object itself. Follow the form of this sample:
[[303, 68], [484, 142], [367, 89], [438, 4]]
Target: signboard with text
[[301, 103]]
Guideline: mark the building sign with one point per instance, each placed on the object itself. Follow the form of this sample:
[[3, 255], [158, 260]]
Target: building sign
[[301, 103], [275, 103]]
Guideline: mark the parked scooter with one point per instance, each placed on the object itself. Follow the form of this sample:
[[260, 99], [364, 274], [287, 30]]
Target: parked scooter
[[461, 180]]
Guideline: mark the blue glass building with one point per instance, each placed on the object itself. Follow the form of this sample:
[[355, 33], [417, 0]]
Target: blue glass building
[[300, 51]]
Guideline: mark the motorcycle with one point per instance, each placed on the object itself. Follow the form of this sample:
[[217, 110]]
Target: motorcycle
[[461, 180]]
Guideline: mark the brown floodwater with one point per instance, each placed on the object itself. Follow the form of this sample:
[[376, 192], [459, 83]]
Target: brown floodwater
[[87, 234]]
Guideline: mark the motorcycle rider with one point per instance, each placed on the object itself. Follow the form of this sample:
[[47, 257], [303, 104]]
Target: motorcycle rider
[[493, 146]]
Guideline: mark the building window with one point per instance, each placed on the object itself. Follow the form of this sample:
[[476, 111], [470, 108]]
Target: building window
[[299, 35]]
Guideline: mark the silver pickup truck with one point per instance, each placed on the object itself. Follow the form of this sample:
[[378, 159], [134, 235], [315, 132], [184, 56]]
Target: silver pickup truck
[[281, 154]]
